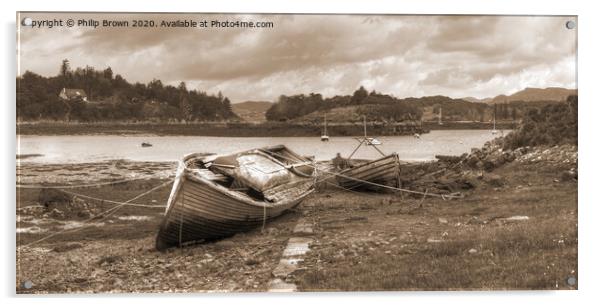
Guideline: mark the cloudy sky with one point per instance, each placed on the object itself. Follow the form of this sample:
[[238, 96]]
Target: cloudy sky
[[457, 56]]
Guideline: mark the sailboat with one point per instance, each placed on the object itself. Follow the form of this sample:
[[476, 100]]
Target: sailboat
[[325, 136], [440, 116], [494, 131], [369, 141]]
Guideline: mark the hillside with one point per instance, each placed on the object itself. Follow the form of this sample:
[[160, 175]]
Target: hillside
[[477, 100], [102, 95], [536, 94], [251, 111], [338, 114]]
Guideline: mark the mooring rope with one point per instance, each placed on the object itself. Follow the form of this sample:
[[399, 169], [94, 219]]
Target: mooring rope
[[110, 201], [79, 186], [383, 186], [105, 215]]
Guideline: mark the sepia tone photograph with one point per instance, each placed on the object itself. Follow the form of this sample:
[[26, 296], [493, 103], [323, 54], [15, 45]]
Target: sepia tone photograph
[[201, 153]]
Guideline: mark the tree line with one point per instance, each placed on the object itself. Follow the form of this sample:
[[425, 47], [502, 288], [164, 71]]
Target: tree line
[[111, 97], [381, 107], [551, 124]]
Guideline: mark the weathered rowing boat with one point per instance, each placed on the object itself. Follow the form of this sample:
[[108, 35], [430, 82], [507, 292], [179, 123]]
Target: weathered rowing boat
[[218, 197], [382, 171]]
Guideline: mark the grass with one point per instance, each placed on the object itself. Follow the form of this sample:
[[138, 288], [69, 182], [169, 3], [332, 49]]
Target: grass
[[390, 251]]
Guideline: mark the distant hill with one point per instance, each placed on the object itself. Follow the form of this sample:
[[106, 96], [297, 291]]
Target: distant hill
[[536, 94], [477, 100], [251, 111]]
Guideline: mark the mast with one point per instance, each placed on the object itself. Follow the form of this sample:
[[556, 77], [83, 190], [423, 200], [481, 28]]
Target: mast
[[365, 133], [325, 131], [494, 114], [440, 115]]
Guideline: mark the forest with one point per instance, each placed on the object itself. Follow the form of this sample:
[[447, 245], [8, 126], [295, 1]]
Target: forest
[[110, 97]]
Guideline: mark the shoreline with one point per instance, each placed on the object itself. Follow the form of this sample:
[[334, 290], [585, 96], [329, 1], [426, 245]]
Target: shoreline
[[232, 129]]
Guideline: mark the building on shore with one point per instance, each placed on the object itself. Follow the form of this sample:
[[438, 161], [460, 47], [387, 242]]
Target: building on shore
[[70, 94]]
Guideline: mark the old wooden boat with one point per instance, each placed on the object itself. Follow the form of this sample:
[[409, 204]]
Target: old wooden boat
[[216, 197], [382, 171]]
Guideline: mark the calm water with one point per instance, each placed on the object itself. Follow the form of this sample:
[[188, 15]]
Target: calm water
[[77, 149]]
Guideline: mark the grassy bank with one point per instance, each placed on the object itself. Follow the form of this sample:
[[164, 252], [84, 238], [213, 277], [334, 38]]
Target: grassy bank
[[387, 243]]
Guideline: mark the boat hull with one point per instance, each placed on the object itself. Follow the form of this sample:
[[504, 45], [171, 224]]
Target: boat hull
[[200, 210], [383, 171]]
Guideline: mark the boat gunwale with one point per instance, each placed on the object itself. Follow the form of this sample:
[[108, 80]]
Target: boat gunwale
[[393, 155], [184, 173]]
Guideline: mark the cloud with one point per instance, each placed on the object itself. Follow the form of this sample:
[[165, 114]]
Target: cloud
[[331, 54]]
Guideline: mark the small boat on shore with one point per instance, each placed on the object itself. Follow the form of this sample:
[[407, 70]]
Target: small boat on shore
[[382, 171], [368, 174], [146, 144], [218, 197]]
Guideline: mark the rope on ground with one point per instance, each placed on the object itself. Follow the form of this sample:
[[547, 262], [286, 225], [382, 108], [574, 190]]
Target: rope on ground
[[79, 186], [345, 189], [112, 202], [106, 214]]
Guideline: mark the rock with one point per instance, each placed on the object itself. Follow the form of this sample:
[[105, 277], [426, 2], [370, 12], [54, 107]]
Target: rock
[[472, 161], [493, 180], [509, 157], [472, 251], [449, 158], [57, 214], [442, 220], [489, 165], [53, 197], [251, 262], [568, 175]]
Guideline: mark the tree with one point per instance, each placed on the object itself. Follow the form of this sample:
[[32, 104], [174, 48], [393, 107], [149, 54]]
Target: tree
[[108, 74], [185, 107], [65, 68], [37, 98], [359, 95], [227, 106]]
